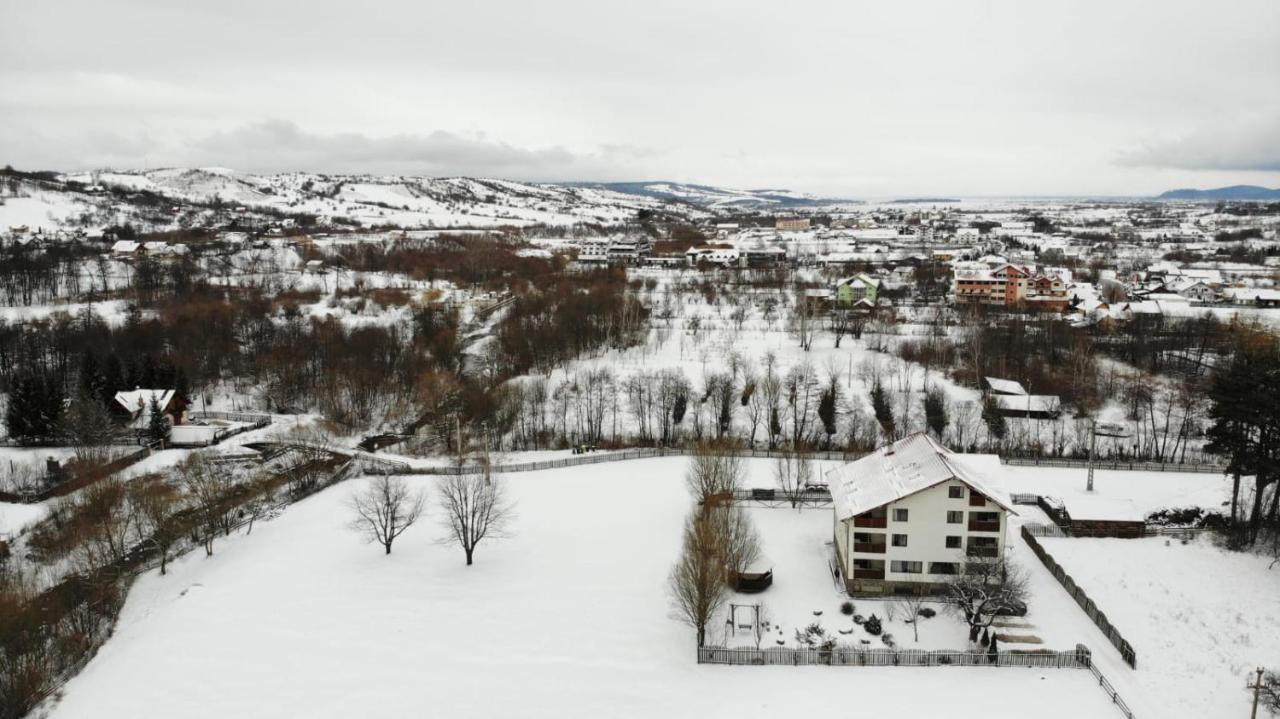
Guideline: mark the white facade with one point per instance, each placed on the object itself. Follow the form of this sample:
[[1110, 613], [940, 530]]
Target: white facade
[[934, 519], [907, 517]]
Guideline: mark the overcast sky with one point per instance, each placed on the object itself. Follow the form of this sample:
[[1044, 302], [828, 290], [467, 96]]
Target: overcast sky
[[865, 99]]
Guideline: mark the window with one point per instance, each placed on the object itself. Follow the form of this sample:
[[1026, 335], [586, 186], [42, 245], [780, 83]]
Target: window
[[899, 515], [899, 540], [953, 542], [944, 567], [955, 492], [955, 517], [906, 567]]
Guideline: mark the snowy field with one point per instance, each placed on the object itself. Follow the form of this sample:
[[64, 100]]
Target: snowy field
[[567, 618], [1200, 618]]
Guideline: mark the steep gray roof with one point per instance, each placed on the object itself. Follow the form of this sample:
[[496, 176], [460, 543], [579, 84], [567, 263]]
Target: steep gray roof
[[901, 469]]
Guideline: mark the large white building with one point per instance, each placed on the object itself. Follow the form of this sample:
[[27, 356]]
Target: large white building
[[910, 514]]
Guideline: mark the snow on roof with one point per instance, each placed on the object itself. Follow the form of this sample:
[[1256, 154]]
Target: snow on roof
[[1028, 402], [1103, 509], [137, 400], [900, 469], [1006, 386], [125, 246]]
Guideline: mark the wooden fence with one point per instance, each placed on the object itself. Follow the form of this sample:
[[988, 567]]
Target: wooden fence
[[254, 421], [1079, 658], [1077, 593], [1111, 692]]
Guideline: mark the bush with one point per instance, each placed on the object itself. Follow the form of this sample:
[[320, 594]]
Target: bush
[[858, 619], [927, 612], [847, 609], [889, 641], [872, 625]]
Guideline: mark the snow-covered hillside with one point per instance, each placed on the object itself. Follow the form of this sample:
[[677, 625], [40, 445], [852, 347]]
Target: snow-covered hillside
[[170, 198], [719, 197]]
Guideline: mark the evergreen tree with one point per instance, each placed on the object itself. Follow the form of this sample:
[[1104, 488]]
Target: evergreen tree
[[883, 411], [935, 411], [996, 425], [157, 423], [827, 410], [92, 381]]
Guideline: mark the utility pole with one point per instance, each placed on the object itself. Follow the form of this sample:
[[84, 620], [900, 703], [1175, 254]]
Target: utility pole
[[1093, 445], [1256, 687]]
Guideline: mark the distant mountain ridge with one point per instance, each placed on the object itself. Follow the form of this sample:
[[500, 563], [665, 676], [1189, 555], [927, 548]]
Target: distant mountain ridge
[[1234, 192]]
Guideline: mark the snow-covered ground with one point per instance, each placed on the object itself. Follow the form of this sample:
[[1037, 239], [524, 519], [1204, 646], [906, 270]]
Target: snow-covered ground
[[569, 617], [1199, 617]]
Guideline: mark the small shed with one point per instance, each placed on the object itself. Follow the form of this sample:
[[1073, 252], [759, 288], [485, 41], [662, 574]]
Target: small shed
[[1104, 517], [1005, 386], [1036, 406]]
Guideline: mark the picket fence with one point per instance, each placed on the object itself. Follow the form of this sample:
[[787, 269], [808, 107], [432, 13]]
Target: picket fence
[[1079, 658]]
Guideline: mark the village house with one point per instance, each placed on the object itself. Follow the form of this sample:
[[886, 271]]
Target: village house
[[135, 406], [860, 289], [792, 224], [908, 516]]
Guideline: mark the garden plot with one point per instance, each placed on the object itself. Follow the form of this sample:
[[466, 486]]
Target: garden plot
[[569, 617], [1200, 618]]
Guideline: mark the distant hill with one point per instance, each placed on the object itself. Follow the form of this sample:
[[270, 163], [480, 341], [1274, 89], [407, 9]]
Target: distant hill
[[713, 198], [1234, 192]]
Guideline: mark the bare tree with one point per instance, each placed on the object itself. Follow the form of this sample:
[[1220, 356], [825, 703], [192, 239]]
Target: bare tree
[[384, 509], [698, 582], [740, 543], [986, 589], [207, 486], [714, 471], [792, 471], [909, 607], [475, 507], [155, 502]]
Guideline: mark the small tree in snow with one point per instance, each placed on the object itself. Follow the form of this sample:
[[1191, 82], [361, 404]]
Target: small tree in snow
[[385, 509], [909, 608], [986, 589], [792, 471], [475, 508]]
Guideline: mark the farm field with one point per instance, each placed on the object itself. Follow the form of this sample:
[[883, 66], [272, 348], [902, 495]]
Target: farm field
[[569, 617]]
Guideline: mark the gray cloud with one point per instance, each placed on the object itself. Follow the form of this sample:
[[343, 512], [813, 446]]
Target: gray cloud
[[1252, 146]]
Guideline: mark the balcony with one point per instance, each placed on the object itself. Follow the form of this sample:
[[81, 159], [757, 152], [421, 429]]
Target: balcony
[[868, 548], [868, 574], [978, 525], [871, 522], [991, 552]]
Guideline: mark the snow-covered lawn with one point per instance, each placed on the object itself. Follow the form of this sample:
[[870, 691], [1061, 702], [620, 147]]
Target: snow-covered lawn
[[567, 618], [1200, 618]]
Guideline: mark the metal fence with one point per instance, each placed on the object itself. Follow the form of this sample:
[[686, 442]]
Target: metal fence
[[1115, 465], [1079, 658], [619, 456], [1077, 593]]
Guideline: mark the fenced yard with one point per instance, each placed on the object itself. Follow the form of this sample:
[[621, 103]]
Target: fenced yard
[[1095, 614]]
